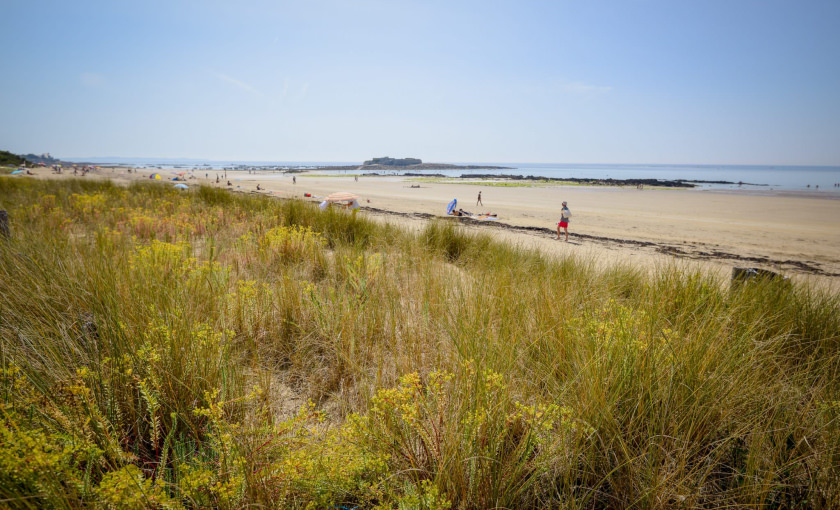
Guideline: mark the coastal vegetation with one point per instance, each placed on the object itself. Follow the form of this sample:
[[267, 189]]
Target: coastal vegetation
[[205, 349], [9, 159], [388, 161]]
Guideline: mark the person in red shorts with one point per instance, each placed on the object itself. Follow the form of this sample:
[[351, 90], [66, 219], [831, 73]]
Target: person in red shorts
[[565, 217]]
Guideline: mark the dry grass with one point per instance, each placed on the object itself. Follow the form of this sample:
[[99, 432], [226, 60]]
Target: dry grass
[[148, 338]]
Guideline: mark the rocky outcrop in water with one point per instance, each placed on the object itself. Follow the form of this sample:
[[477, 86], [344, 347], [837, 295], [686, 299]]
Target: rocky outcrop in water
[[419, 166], [593, 182]]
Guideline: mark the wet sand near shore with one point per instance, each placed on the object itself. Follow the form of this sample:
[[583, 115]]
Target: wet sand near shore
[[795, 233]]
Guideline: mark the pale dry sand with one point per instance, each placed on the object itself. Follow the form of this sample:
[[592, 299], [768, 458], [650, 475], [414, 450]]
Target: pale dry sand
[[797, 234]]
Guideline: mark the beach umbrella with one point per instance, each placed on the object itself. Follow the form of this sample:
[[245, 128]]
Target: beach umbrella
[[182, 186], [17, 172], [451, 206], [341, 197], [155, 176]]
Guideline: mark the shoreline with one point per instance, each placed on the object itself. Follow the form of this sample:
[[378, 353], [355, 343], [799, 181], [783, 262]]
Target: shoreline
[[707, 176], [796, 233]]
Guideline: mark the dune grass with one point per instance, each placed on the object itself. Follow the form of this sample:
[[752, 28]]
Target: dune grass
[[151, 342]]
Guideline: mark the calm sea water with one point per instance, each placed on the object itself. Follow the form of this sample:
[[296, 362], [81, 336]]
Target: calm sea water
[[752, 176]]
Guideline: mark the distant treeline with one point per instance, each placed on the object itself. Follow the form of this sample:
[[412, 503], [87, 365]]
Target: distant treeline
[[9, 159]]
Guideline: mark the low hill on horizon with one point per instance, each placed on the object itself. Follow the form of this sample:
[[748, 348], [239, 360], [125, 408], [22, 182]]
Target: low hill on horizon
[[9, 159]]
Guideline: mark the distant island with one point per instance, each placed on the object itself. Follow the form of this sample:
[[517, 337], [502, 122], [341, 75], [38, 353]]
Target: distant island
[[389, 163]]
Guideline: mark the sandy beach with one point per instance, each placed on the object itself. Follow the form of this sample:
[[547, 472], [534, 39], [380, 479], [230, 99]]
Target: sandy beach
[[794, 233]]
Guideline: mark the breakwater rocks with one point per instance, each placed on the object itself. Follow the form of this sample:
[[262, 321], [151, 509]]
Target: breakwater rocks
[[662, 183], [421, 166], [593, 182], [407, 174], [739, 183]]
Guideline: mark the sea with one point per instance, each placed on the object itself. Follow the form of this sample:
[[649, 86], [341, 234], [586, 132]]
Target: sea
[[745, 177]]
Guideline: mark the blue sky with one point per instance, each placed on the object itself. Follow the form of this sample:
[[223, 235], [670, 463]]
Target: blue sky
[[595, 81]]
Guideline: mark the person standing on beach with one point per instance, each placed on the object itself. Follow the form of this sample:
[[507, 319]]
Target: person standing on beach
[[478, 202], [565, 217], [294, 180]]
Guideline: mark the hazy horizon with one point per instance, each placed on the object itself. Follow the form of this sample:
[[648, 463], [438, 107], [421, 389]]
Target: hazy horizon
[[746, 82], [118, 159]]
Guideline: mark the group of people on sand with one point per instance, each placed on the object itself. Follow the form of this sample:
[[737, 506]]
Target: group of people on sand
[[461, 212], [562, 225], [353, 205]]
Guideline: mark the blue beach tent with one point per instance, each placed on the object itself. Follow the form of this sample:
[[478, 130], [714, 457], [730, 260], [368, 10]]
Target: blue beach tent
[[451, 206]]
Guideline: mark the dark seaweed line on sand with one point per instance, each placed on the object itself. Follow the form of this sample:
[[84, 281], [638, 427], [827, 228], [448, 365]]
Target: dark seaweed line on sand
[[661, 248]]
